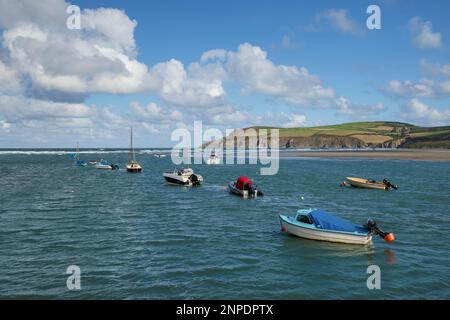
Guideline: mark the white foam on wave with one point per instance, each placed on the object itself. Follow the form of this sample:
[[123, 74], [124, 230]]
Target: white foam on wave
[[70, 152], [169, 151]]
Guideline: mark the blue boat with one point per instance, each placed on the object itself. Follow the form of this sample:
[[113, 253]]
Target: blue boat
[[78, 162], [318, 225]]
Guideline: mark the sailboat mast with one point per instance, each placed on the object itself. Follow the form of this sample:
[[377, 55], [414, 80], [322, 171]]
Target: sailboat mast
[[132, 157]]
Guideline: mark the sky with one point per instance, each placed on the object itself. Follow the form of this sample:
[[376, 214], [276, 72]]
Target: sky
[[161, 65]]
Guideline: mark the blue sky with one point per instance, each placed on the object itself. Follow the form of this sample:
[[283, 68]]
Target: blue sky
[[398, 73]]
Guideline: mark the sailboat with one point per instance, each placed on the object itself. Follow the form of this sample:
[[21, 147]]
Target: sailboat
[[133, 165], [78, 162]]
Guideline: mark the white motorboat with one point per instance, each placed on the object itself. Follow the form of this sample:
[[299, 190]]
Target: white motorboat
[[213, 158], [104, 165], [159, 155], [184, 177]]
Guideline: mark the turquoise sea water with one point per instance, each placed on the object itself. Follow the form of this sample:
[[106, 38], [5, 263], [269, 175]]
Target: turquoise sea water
[[134, 237]]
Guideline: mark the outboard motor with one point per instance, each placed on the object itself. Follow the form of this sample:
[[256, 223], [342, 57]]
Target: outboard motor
[[389, 185], [374, 229], [194, 179], [253, 191]]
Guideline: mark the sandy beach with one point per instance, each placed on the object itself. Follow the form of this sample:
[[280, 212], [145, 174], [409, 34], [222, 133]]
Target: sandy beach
[[411, 154]]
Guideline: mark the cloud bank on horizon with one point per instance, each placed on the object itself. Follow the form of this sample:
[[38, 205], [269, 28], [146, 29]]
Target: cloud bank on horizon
[[59, 85]]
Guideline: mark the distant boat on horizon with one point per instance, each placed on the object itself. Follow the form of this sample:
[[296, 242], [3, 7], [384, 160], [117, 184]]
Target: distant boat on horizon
[[133, 165], [213, 158], [159, 155]]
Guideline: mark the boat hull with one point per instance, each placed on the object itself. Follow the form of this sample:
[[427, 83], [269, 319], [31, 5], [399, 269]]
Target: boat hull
[[309, 232], [238, 192], [176, 181], [103, 167], [243, 193], [212, 161], [362, 183], [134, 170], [182, 180]]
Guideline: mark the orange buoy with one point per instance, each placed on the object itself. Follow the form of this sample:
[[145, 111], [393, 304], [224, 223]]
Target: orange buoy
[[343, 184], [389, 237]]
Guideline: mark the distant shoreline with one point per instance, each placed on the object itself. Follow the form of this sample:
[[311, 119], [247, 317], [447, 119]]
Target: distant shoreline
[[442, 155], [397, 154]]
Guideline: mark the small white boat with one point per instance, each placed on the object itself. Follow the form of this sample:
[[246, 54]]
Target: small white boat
[[159, 155], [245, 188], [213, 158], [318, 225], [184, 177], [104, 165], [370, 184]]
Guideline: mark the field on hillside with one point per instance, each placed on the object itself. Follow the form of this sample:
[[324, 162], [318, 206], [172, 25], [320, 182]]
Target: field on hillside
[[378, 132]]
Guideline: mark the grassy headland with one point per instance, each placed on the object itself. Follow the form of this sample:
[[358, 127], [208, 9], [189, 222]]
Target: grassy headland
[[378, 134]]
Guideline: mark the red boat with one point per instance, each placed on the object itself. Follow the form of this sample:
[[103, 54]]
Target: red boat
[[244, 187]]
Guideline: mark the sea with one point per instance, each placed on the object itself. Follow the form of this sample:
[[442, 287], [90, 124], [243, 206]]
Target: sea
[[132, 236]]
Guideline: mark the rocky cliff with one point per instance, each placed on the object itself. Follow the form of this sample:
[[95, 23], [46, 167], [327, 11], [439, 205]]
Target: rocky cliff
[[338, 142], [314, 141]]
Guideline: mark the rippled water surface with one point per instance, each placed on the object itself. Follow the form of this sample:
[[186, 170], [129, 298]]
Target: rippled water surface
[[134, 237]]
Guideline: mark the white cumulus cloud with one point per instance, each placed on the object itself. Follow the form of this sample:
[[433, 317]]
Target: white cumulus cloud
[[423, 35], [196, 86], [419, 112], [296, 120], [340, 19], [435, 69], [424, 88], [358, 111], [250, 66], [98, 58]]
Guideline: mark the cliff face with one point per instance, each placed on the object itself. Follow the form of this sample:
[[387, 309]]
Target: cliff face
[[322, 141], [395, 143], [338, 142], [314, 141]]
